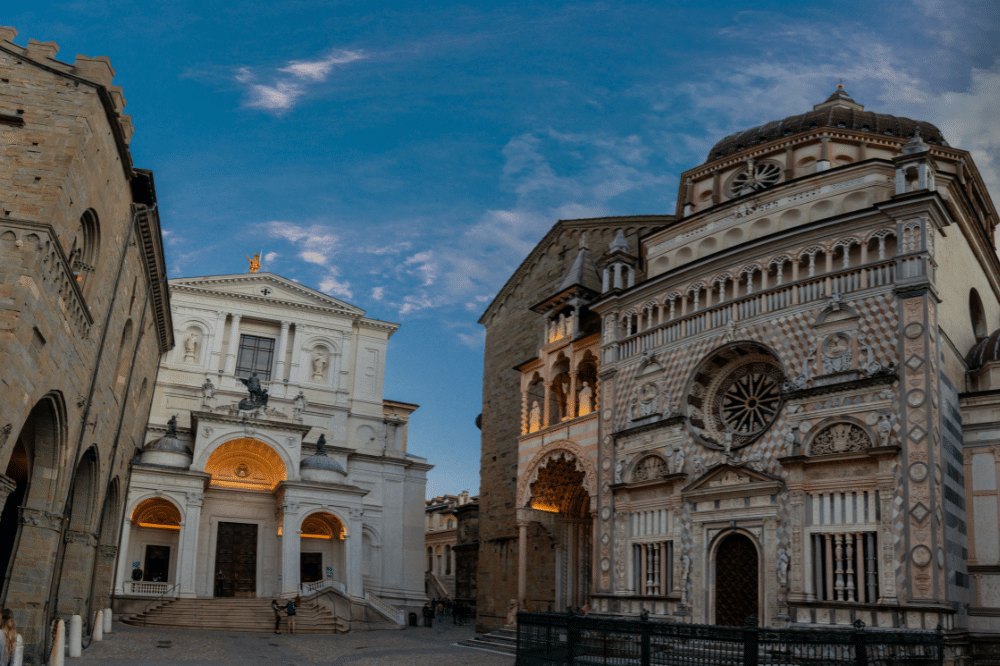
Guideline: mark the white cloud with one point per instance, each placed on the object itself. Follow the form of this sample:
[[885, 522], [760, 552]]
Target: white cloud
[[335, 287], [271, 256], [290, 83], [314, 257], [378, 293]]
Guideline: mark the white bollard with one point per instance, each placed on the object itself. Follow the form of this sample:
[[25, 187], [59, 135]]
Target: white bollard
[[76, 636], [59, 646], [107, 621], [18, 659], [98, 634]]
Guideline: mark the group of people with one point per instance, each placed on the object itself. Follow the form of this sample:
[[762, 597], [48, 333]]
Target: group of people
[[290, 608], [8, 637], [439, 608]]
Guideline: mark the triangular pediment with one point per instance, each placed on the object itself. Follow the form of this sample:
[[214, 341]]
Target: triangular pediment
[[724, 477], [264, 287]]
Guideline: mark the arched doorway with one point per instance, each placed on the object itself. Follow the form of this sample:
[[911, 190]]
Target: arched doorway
[[556, 548], [322, 551], [153, 549], [17, 471], [81, 542], [737, 580]]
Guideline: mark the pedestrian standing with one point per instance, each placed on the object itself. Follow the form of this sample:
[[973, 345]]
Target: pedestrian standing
[[290, 610], [220, 579], [439, 611], [8, 637], [276, 607], [428, 615]]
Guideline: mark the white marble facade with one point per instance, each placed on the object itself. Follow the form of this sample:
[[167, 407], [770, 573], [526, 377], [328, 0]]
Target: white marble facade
[[357, 512]]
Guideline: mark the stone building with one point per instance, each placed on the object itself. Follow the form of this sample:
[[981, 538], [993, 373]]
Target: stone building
[[467, 555], [440, 539], [273, 464], [84, 319], [795, 398]]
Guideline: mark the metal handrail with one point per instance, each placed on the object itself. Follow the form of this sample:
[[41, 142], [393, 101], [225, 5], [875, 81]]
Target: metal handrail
[[156, 600]]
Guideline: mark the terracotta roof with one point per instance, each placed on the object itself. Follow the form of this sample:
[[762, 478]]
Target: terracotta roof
[[838, 111]]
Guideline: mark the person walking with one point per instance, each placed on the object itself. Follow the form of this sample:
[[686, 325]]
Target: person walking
[[290, 610], [276, 607], [428, 615], [8, 637]]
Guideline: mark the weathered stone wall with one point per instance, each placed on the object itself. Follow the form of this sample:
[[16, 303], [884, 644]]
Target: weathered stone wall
[[467, 554], [513, 335], [63, 151]]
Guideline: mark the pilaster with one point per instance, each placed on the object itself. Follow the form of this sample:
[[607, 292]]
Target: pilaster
[[188, 561]]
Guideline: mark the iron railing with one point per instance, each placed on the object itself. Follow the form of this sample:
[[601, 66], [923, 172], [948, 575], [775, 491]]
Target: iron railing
[[565, 639]]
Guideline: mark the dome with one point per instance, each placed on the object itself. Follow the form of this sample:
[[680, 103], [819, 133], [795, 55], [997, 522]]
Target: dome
[[168, 444], [321, 462], [987, 350], [318, 467], [168, 450], [838, 111]]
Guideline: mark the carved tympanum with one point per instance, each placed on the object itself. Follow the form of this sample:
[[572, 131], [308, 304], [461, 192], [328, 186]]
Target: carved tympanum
[[840, 438], [650, 467]]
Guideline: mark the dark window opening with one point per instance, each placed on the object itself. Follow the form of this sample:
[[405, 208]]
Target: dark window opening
[[256, 354]]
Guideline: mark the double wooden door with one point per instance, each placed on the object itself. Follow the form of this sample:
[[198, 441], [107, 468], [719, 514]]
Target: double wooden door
[[737, 585], [236, 558]]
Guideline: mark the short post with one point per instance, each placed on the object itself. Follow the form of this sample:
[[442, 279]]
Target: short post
[[98, 630], [860, 644], [18, 659], [59, 645], [751, 640], [108, 628], [644, 650], [76, 636], [940, 645]]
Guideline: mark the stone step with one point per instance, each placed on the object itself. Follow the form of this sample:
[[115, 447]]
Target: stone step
[[501, 640], [251, 615]]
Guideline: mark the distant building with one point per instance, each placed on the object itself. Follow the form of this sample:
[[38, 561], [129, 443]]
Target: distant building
[[84, 317], [440, 539], [310, 491]]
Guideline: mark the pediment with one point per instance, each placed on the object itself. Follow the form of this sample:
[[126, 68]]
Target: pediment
[[265, 287], [729, 477]]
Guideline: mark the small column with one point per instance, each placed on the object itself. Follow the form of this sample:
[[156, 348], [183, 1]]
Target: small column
[[294, 371], [188, 562], [546, 416], [214, 358], [291, 546], [570, 583], [664, 563], [123, 555], [838, 558], [522, 562], [828, 543], [355, 582], [643, 552], [618, 276], [824, 154], [282, 351], [571, 398], [234, 343]]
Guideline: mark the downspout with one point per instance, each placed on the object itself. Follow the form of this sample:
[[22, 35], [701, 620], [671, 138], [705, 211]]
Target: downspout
[[52, 602], [118, 432]]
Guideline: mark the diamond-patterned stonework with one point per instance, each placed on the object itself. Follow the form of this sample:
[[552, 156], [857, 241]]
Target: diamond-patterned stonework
[[917, 433], [919, 512], [914, 362]]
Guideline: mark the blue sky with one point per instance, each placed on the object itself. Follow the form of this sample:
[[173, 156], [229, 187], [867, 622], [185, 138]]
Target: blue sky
[[406, 156]]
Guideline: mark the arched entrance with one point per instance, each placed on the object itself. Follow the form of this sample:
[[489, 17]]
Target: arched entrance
[[322, 556], [81, 542], [737, 580], [17, 471], [555, 547]]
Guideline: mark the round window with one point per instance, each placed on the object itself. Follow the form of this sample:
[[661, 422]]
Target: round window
[[754, 178], [734, 395]]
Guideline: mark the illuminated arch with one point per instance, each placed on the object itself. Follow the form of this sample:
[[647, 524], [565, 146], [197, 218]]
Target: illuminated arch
[[322, 525], [157, 512], [563, 449], [246, 463]]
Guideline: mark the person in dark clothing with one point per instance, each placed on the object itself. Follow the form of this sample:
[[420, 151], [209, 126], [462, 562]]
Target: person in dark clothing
[[137, 574], [220, 579], [290, 610], [428, 615], [276, 607]]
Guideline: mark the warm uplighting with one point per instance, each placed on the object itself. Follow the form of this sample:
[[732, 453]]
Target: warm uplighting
[[157, 513], [247, 464], [542, 506]]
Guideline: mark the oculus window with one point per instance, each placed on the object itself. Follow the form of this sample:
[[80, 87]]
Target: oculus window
[[256, 354]]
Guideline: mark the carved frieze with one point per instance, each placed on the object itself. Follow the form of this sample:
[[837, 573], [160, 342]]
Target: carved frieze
[[840, 438]]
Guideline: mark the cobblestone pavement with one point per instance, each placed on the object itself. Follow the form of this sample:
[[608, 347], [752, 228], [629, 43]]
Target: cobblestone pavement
[[129, 646]]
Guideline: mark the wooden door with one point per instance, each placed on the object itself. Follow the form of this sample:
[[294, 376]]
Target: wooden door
[[311, 567], [236, 558], [737, 588]]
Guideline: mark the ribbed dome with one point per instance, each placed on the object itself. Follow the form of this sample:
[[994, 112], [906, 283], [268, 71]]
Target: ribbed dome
[[838, 111], [169, 442], [985, 351], [319, 460]]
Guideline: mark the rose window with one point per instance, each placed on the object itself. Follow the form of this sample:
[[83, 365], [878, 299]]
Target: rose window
[[734, 395], [756, 177]]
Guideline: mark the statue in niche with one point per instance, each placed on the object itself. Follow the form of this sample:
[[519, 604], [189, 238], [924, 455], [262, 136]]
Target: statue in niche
[[190, 346], [728, 453], [838, 354], [318, 367], [790, 442], [698, 463], [619, 469], [645, 403], [535, 417], [258, 395], [884, 429], [299, 405], [679, 459], [561, 331], [685, 574], [783, 561], [586, 400], [207, 393]]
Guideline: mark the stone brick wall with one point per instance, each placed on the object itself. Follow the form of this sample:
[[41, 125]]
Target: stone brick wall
[[76, 393], [513, 335]]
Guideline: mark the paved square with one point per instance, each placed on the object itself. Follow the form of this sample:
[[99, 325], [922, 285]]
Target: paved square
[[410, 647]]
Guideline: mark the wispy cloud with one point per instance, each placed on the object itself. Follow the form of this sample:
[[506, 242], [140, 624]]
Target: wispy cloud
[[280, 91]]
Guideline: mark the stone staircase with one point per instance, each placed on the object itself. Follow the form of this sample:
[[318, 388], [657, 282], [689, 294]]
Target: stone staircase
[[251, 615], [502, 640]]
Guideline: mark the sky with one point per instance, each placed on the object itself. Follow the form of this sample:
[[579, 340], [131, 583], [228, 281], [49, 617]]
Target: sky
[[406, 156]]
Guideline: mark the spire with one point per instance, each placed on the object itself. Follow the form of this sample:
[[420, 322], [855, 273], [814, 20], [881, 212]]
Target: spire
[[620, 243], [582, 272], [839, 98]]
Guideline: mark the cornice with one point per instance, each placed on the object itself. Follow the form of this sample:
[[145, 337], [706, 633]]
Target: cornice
[[198, 417]]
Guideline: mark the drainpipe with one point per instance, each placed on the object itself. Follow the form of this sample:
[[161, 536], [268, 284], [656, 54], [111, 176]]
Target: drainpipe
[[52, 603]]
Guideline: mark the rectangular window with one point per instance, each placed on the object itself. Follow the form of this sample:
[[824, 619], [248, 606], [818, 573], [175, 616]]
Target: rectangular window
[[845, 566], [653, 570], [256, 354]]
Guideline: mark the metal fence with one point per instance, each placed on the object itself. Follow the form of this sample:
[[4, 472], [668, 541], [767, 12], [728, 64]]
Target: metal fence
[[550, 639]]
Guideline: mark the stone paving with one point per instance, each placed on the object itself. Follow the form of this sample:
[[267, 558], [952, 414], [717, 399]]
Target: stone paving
[[418, 646]]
